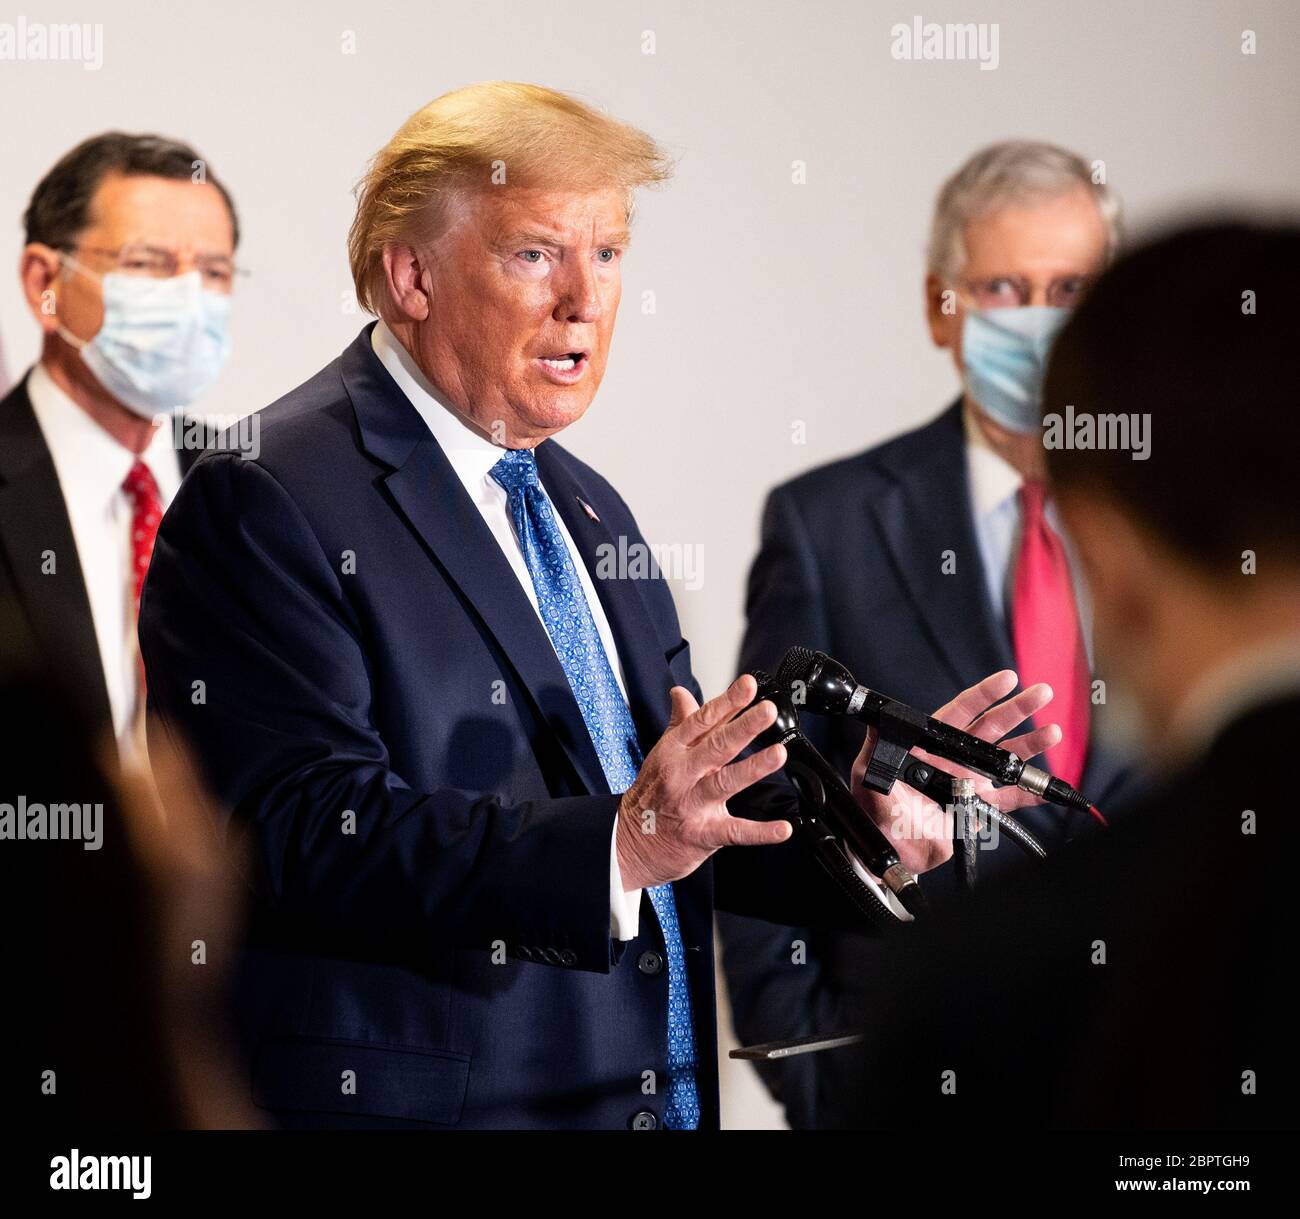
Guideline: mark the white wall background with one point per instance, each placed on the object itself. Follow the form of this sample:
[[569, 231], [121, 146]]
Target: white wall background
[[775, 302]]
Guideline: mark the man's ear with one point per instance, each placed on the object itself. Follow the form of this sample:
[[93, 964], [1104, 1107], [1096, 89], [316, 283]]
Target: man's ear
[[38, 271], [407, 283]]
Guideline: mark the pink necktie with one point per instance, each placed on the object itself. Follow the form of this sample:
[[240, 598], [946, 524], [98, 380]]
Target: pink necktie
[[1045, 632], [146, 513]]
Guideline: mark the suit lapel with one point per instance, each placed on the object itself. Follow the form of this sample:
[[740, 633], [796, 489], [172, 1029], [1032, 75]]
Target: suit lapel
[[645, 670], [927, 511], [34, 521], [427, 492], [923, 515], [648, 679]]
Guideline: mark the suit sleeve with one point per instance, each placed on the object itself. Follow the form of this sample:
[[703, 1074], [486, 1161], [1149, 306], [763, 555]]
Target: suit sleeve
[[256, 659]]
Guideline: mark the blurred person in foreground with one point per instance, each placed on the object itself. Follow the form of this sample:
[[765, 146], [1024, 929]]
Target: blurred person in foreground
[[120, 913], [1145, 978]]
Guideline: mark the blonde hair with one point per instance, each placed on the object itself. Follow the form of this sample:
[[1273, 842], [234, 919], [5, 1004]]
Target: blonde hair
[[1006, 174], [492, 133]]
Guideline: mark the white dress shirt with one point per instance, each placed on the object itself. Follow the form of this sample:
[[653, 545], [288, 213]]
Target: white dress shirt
[[995, 510], [472, 456], [91, 468]]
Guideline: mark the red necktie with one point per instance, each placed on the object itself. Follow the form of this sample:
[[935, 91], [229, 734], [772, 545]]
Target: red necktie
[[146, 512], [1045, 631]]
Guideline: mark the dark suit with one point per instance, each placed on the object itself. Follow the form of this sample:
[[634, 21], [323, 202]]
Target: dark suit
[[852, 563], [366, 650], [1190, 899], [49, 612]]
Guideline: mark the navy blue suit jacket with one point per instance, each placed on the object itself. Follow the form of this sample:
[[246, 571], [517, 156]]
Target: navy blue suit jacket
[[375, 701], [851, 563], [47, 613]]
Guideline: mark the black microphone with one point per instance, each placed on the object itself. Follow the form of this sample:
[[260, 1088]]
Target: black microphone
[[827, 797], [826, 687]]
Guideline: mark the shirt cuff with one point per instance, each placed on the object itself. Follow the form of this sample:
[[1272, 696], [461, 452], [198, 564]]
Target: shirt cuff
[[624, 907]]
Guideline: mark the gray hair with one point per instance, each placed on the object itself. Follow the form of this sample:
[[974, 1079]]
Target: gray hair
[[1005, 174]]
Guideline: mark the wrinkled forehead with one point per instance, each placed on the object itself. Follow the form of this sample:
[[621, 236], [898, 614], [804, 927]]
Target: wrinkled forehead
[[543, 215], [1059, 235], [177, 215]]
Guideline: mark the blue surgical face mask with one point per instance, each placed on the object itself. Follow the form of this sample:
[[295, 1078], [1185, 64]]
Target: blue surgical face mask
[[1004, 354], [162, 343]]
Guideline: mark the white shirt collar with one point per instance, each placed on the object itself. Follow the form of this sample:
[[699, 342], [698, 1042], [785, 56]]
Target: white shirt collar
[[88, 461], [993, 479], [471, 454]]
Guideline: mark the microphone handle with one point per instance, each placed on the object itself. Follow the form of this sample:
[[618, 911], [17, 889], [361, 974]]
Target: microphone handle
[[998, 764], [903, 728], [826, 798], [840, 811], [910, 728], [937, 784]]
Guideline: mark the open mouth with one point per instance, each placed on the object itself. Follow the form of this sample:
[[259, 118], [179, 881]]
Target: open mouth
[[566, 361], [563, 367]]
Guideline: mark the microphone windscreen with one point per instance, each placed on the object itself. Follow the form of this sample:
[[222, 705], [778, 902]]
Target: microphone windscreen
[[795, 666]]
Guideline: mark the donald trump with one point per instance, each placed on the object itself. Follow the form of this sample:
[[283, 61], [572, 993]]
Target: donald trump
[[491, 811]]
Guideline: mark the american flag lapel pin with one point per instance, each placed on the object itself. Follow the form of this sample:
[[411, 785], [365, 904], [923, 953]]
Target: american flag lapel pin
[[588, 509]]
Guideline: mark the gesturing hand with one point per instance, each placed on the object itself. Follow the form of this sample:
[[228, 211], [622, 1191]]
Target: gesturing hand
[[675, 815], [919, 828]]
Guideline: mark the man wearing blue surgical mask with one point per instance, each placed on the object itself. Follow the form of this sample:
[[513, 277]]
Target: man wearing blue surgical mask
[[938, 556], [128, 270]]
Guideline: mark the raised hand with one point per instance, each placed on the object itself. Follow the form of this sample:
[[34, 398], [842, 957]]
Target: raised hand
[[920, 830], [675, 815]]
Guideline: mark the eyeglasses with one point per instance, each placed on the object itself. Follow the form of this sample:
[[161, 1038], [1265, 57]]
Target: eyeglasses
[[1011, 291], [152, 262]]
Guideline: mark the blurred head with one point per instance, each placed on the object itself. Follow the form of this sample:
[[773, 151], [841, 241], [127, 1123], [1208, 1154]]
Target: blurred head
[[489, 235], [1022, 225], [120, 210], [1192, 552]]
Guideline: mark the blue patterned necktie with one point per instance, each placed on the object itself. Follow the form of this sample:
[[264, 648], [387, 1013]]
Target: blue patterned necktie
[[573, 632]]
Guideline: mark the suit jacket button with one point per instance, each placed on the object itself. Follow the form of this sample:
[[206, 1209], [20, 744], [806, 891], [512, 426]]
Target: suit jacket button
[[568, 957], [645, 1120], [650, 963]]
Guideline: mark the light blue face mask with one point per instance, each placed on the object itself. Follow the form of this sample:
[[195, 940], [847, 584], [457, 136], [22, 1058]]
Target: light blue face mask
[[1004, 354], [163, 341]]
